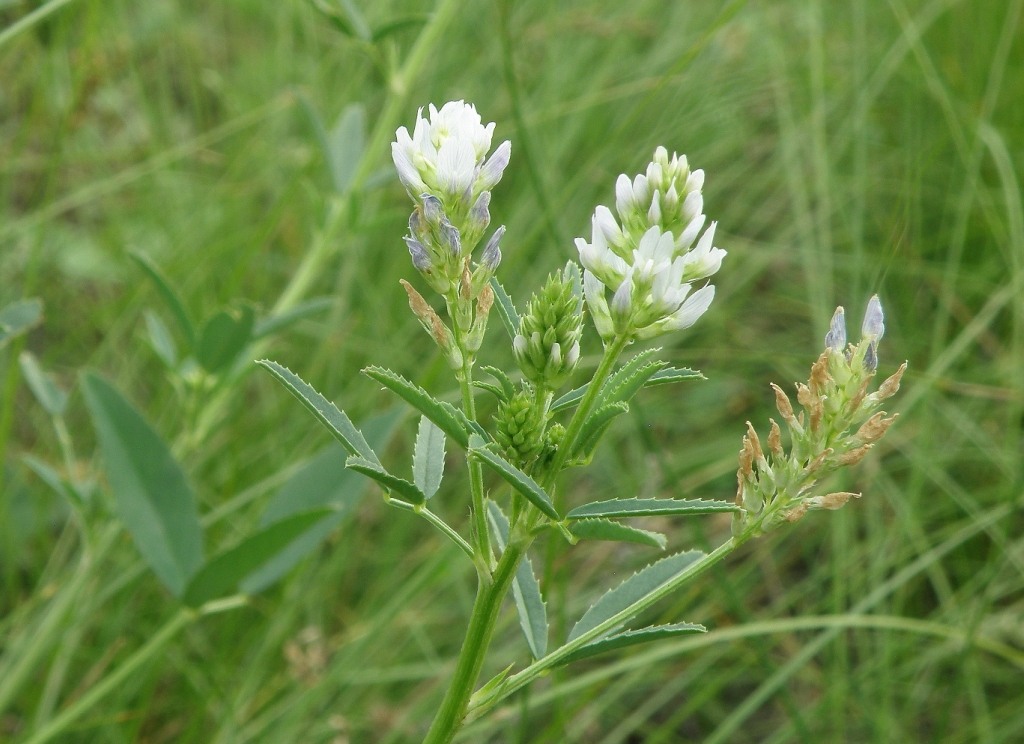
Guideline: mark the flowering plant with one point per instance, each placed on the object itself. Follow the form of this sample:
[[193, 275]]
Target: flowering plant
[[638, 282]]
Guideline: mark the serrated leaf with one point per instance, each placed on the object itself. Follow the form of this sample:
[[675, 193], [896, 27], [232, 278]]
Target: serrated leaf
[[506, 309], [605, 529], [512, 475], [223, 337], [153, 497], [345, 145], [161, 340], [503, 379], [494, 390], [596, 425], [18, 317], [428, 457], [632, 638], [448, 418], [224, 572], [51, 397], [533, 618], [673, 374], [636, 587], [570, 399], [169, 295], [326, 412], [390, 482], [624, 382], [275, 323], [649, 508]]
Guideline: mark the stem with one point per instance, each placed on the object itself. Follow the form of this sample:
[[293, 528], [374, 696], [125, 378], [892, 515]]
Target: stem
[[526, 676], [489, 596]]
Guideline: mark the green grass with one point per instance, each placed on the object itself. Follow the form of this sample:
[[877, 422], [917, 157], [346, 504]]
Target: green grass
[[849, 150]]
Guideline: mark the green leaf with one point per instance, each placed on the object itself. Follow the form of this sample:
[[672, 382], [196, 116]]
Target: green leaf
[[53, 479], [376, 471], [224, 572], [627, 380], [51, 397], [169, 295], [152, 495], [326, 412], [633, 589], [533, 618], [508, 389], [275, 323], [18, 317], [447, 417], [571, 272], [570, 399], [506, 310], [512, 475], [346, 17], [596, 425], [345, 145], [223, 338], [399, 24], [673, 374], [428, 457], [649, 508], [632, 638], [605, 529], [491, 685], [161, 340]]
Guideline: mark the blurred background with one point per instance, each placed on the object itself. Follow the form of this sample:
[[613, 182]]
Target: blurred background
[[850, 149]]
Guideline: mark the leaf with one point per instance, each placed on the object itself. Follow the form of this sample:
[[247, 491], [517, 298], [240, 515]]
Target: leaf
[[570, 399], [18, 317], [223, 337], [512, 475], [631, 638], [596, 425], [398, 24], [533, 618], [161, 340], [627, 380], [633, 589], [506, 310], [326, 412], [673, 374], [649, 508], [428, 457], [491, 685], [605, 529], [503, 379], [152, 495], [275, 323], [52, 398], [345, 145], [346, 17], [53, 479], [223, 573], [169, 295], [448, 418], [390, 482], [571, 272]]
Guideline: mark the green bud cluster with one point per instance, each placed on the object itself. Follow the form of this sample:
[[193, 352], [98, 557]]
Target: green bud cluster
[[547, 346], [519, 428]]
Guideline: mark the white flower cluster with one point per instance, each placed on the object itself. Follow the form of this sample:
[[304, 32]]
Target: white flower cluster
[[652, 258]]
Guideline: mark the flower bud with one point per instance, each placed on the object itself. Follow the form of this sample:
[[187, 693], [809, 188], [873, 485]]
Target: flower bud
[[547, 344], [519, 428]]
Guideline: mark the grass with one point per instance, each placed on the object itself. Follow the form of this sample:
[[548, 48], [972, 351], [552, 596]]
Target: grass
[[869, 148]]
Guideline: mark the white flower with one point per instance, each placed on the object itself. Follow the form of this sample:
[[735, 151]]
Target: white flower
[[446, 155]]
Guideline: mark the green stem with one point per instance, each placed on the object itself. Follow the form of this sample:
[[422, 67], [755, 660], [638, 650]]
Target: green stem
[[526, 676], [482, 542], [489, 596]]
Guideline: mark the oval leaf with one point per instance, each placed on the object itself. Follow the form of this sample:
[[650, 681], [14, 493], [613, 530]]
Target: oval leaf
[[152, 495], [169, 295], [649, 508], [512, 475], [605, 529], [633, 589], [428, 457]]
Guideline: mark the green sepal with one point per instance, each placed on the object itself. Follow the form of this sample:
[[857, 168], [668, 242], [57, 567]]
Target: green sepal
[[533, 618], [632, 638], [512, 475], [635, 588], [376, 471], [336, 421], [447, 417], [428, 457], [606, 529], [507, 310], [650, 508]]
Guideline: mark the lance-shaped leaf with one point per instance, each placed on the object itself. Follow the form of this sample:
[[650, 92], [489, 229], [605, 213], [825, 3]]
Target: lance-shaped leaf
[[326, 412], [661, 377], [533, 618], [275, 323], [51, 396], [428, 457], [448, 418], [161, 340], [596, 425], [632, 638], [649, 508], [376, 471], [636, 587], [18, 317], [153, 497], [169, 295], [506, 309], [224, 572], [512, 475], [624, 383], [507, 388], [606, 529]]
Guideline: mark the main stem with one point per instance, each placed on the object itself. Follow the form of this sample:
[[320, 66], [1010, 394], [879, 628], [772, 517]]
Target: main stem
[[489, 596]]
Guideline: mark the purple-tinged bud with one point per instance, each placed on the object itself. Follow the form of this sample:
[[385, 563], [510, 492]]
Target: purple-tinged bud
[[433, 209], [874, 325], [491, 256], [417, 225], [479, 213], [835, 339], [871, 357], [450, 239], [420, 257]]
